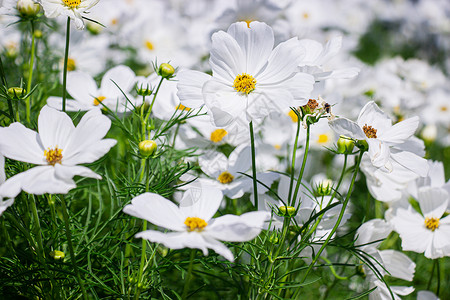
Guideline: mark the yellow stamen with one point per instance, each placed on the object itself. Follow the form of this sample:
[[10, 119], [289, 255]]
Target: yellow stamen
[[432, 223], [195, 224], [323, 138], [218, 135], [293, 116], [71, 64], [248, 22], [244, 83], [225, 177], [444, 108], [53, 156], [182, 107], [370, 132], [98, 100], [114, 21], [72, 3], [305, 16], [277, 146], [149, 45]]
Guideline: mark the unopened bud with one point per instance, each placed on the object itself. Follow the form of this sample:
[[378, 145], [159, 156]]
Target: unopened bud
[[37, 33], [324, 188], [57, 255], [28, 8], [273, 239], [287, 211], [166, 71], [16, 92], [144, 90], [147, 147], [345, 145], [94, 28]]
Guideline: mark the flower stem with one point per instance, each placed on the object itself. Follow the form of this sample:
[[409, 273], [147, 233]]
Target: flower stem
[[141, 266], [153, 101], [72, 253], [189, 275], [302, 170], [30, 72], [66, 58], [294, 154], [255, 184], [338, 222]]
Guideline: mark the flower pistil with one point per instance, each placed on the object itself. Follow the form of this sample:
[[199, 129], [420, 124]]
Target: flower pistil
[[432, 223], [53, 156], [195, 224], [225, 177], [244, 83], [72, 3], [370, 132]]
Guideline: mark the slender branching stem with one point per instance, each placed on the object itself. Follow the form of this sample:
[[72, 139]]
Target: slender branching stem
[[255, 183], [66, 58], [30, 72]]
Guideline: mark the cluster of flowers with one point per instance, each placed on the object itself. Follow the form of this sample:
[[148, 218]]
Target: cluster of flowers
[[259, 76]]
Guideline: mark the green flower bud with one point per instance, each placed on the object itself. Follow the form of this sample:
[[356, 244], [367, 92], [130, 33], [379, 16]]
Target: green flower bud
[[166, 71], [28, 8], [362, 144], [57, 255], [94, 28], [37, 33], [144, 90], [287, 211], [324, 188], [345, 145], [147, 147], [16, 92]]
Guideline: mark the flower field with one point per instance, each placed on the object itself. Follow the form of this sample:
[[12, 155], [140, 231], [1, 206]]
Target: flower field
[[206, 149]]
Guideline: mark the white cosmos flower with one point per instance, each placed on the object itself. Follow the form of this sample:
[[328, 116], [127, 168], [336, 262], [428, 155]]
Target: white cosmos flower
[[86, 95], [70, 8], [57, 150], [386, 142], [249, 75], [192, 224], [3, 204], [429, 232]]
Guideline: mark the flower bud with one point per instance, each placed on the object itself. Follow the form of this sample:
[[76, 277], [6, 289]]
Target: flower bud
[[16, 92], [273, 239], [362, 145], [166, 71], [57, 255], [324, 188], [28, 8], [345, 145], [37, 33], [287, 211], [144, 90], [147, 147]]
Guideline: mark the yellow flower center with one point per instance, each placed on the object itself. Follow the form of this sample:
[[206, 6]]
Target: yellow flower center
[[323, 138], [305, 16], [277, 146], [293, 116], [444, 108], [71, 64], [225, 177], [182, 107], [98, 100], [218, 135], [432, 223], [195, 224], [248, 21], [53, 156], [244, 83], [370, 132], [72, 3], [149, 45]]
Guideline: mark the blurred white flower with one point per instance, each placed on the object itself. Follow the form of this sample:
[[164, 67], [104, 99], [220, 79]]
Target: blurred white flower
[[83, 88], [192, 224], [386, 142], [3, 204], [429, 232], [70, 8], [57, 149]]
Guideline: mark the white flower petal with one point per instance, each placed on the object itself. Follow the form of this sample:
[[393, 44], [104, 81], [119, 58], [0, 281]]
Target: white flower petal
[[398, 264], [20, 143], [240, 160], [157, 210], [82, 87], [118, 77], [346, 127], [190, 85], [241, 228], [202, 202], [373, 116], [433, 201], [68, 172], [218, 247], [256, 43], [400, 131], [412, 162], [226, 60], [55, 128]]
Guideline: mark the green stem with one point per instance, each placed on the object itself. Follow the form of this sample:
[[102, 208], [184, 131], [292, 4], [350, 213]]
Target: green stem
[[302, 170], [338, 222], [294, 154], [142, 119], [189, 275], [30, 73], [438, 277], [332, 269], [66, 58], [153, 101], [72, 252], [141, 266], [255, 183]]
